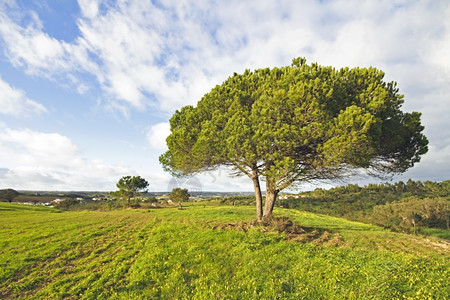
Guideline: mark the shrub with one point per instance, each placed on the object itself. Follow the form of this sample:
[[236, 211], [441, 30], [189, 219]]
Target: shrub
[[412, 212], [238, 200], [66, 204], [150, 200]]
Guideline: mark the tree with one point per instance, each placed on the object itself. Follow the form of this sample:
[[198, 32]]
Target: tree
[[296, 124], [130, 187], [8, 194], [180, 195]]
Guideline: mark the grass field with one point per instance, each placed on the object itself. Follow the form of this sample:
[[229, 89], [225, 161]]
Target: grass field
[[210, 252]]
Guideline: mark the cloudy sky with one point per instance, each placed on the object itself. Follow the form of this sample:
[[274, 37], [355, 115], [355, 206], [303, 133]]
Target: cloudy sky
[[87, 87]]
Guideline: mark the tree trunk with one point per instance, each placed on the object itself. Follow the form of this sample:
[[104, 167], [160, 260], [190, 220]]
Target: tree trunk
[[271, 196], [258, 196]]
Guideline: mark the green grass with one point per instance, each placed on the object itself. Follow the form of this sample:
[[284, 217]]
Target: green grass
[[196, 253], [440, 233]]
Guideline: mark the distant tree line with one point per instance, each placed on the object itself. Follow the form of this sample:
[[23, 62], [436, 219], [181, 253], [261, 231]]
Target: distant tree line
[[238, 200]]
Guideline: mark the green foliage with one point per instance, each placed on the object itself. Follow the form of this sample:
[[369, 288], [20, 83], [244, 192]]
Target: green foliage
[[87, 205], [410, 213], [358, 203], [439, 233], [184, 254], [151, 199], [294, 124], [66, 204], [8, 194], [130, 187], [355, 202], [238, 200], [179, 195]]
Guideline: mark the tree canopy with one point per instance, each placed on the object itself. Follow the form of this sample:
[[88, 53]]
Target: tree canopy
[[180, 195], [8, 194], [130, 187], [295, 124]]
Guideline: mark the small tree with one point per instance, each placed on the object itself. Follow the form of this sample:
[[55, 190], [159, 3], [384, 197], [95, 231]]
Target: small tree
[[130, 187], [179, 195], [8, 194]]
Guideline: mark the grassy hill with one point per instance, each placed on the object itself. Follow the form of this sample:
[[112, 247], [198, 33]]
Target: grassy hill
[[209, 252]]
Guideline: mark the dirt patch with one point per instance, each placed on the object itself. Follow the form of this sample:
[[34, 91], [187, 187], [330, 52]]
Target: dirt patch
[[293, 231], [441, 245]]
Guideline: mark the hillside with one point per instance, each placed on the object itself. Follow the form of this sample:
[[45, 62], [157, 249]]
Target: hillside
[[413, 206], [206, 252]]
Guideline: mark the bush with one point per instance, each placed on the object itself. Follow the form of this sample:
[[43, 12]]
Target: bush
[[238, 200], [66, 204], [413, 212], [150, 200]]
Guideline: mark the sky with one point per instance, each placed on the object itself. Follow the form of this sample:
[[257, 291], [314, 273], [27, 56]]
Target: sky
[[87, 87]]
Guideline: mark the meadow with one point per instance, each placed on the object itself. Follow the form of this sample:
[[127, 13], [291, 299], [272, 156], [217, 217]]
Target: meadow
[[211, 252]]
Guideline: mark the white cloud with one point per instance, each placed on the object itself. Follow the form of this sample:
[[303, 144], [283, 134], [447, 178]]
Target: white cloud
[[50, 161], [14, 102], [89, 8], [162, 57], [33, 48], [439, 48], [170, 55], [31, 146], [157, 135], [434, 166]]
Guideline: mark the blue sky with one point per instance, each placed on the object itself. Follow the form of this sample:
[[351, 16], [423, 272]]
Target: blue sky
[[87, 87]]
